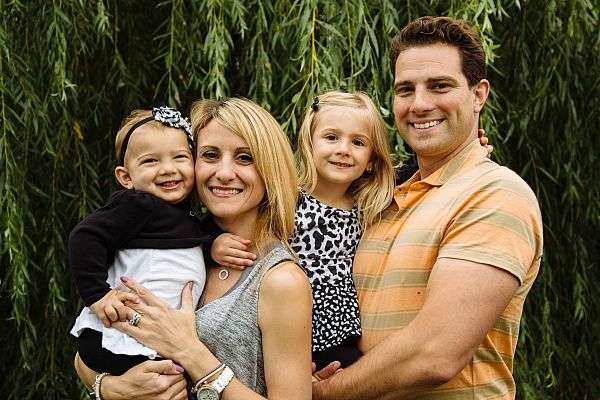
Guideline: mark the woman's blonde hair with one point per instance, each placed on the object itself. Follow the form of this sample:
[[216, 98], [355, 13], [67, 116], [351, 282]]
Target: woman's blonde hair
[[373, 191], [272, 156]]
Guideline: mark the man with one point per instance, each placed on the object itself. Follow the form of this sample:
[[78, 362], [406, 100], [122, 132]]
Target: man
[[443, 277]]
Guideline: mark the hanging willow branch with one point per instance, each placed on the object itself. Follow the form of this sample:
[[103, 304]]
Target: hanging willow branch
[[70, 70]]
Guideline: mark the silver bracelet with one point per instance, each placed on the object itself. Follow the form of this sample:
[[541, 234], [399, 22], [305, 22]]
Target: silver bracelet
[[96, 386]]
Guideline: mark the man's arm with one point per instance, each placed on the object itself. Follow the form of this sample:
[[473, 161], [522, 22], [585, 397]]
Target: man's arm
[[464, 299]]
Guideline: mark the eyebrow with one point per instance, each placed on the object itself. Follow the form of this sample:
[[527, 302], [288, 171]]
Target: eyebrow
[[434, 79]]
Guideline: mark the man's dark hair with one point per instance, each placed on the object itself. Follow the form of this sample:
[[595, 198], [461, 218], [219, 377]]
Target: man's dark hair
[[453, 32]]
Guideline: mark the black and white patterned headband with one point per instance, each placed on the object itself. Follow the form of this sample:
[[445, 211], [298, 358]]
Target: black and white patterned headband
[[167, 116]]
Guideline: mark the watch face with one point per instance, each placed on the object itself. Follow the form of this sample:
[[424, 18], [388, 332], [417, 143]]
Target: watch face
[[207, 393]]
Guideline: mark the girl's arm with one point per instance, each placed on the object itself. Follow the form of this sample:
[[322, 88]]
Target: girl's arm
[[285, 321]]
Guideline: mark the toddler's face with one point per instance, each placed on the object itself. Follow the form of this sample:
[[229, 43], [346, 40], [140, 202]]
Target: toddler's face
[[159, 161]]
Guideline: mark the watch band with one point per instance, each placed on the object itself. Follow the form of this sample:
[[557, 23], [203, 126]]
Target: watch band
[[207, 378], [223, 380]]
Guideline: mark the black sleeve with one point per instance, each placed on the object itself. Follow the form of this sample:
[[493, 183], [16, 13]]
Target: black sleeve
[[95, 240]]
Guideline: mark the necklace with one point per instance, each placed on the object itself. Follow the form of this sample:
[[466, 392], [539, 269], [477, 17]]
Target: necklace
[[223, 274]]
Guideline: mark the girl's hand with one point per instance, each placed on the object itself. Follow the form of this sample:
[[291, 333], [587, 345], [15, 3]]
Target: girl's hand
[[483, 140], [232, 251], [112, 308], [168, 331]]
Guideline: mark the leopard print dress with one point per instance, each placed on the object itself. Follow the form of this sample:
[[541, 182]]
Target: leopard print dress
[[325, 240]]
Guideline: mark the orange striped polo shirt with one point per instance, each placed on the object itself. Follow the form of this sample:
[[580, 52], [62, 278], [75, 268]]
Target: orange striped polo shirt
[[470, 209]]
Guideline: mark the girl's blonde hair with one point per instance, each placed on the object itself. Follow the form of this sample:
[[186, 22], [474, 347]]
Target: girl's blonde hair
[[373, 191], [272, 156], [134, 117]]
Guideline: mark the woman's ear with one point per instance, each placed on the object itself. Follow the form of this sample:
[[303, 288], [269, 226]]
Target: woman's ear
[[123, 177]]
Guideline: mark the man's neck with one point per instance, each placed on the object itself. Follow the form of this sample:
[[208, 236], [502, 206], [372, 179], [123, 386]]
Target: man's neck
[[428, 165]]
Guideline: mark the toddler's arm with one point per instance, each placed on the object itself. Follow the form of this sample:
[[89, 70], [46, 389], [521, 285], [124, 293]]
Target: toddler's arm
[[231, 251], [112, 308], [95, 240]]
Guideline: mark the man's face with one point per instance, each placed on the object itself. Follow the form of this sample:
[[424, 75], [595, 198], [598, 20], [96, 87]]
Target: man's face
[[435, 110]]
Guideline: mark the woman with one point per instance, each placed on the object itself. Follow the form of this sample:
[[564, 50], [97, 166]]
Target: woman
[[257, 322]]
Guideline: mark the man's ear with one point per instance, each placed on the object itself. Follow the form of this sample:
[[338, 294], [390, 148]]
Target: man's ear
[[481, 91], [123, 177]]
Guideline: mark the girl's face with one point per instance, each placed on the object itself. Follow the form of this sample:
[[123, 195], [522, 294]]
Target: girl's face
[[341, 146], [158, 161], [226, 178]]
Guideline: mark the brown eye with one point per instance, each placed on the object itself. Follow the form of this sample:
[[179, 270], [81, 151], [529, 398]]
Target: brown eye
[[209, 155], [245, 159]]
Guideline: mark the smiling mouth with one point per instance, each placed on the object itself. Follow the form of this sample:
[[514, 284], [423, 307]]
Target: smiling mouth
[[426, 125], [224, 191], [341, 164], [168, 184]]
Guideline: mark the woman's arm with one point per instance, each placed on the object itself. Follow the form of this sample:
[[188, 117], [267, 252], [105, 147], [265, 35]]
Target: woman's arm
[[151, 380], [285, 321]]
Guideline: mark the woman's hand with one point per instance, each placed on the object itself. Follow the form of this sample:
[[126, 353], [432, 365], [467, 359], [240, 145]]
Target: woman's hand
[[483, 140], [150, 380], [168, 331]]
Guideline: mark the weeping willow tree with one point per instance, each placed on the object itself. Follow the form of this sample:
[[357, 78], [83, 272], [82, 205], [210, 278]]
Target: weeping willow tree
[[70, 70]]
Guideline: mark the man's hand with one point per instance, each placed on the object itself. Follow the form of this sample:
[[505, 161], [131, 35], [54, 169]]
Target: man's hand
[[232, 251], [112, 306]]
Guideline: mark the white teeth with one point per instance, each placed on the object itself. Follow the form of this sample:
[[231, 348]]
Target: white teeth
[[225, 192], [341, 164], [169, 183], [426, 125]]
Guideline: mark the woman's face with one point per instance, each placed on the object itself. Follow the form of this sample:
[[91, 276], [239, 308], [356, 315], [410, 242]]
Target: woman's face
[[226, 178]]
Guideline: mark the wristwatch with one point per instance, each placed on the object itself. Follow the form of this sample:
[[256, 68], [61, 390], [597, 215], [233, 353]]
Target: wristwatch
[[212, 390]]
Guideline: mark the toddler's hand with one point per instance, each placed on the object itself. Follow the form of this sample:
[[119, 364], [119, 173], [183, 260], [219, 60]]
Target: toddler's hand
[[112, 308], [232, 251]]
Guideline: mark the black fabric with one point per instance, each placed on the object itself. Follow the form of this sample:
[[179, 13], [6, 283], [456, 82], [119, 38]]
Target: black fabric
[[346, 353], [405, 171], [131, 220], [89, 346]]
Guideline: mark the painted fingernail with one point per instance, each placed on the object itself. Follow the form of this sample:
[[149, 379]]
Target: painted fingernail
[[191, 285], [178, 368], [124, 279]]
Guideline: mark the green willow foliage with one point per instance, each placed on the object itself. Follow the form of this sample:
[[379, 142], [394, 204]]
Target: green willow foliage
[[70, 70]]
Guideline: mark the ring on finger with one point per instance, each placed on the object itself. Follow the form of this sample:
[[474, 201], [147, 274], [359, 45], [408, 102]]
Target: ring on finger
[[135, 319]]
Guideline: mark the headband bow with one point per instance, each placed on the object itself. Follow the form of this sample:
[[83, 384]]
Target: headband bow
[[168, 117]]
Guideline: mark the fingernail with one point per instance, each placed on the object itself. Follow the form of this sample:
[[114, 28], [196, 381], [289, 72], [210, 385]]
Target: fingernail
[[191, 285], [124, 279], [178, 368]]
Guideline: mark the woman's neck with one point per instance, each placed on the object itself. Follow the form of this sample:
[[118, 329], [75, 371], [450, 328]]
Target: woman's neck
[[334, 195]]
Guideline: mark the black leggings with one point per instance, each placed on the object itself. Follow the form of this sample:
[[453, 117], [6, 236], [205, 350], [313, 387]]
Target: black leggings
[[101, 360], [346, 353]]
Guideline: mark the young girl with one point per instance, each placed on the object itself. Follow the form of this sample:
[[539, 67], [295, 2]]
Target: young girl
[[145, 231], [346, 180]]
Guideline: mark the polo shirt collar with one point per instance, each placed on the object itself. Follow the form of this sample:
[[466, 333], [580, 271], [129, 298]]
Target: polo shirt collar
[[469, 156]]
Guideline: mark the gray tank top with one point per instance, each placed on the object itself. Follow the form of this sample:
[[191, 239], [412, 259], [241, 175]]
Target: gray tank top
[[228, 326]]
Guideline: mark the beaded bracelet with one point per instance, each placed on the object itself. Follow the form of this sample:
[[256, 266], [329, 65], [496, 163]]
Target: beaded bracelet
[[96, 386]]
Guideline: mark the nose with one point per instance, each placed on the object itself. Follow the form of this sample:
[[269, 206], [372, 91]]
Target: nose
[[343, 146], [421, 101], [225, 171], [166, 168]]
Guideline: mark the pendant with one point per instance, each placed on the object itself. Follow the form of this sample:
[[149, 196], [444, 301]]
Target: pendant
[[223, 274]]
